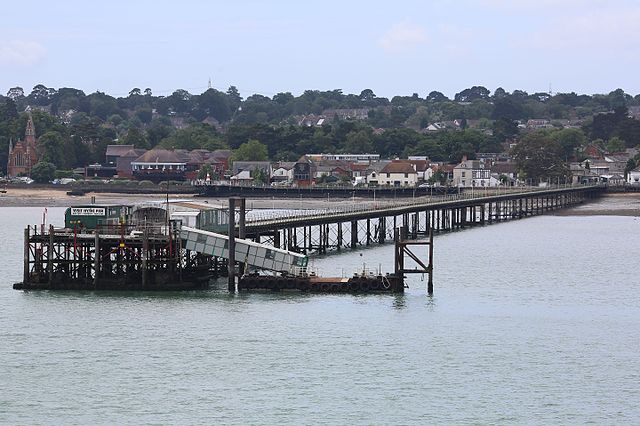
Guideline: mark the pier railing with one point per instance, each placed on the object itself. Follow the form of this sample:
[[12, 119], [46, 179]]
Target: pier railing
[[356, 206]]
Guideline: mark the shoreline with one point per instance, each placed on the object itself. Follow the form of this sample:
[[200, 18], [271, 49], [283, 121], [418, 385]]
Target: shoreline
[[613, 204]]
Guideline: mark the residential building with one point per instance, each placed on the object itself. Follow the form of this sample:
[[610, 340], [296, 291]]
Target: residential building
[[398, 173], [507, 170], [435, 127], [634, 112], [311, 120], [471, 173], [247, 170], [346, 113], [633, 177], [538, 123], [582, 175], [282, 171], [421, 167], [444, 169], [374, 171], [304, 171]]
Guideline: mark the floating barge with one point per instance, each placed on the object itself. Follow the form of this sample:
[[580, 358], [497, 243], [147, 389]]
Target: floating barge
[[314, 284]]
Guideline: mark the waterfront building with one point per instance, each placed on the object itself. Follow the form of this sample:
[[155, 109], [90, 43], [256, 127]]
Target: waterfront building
[[633, 177], [398, 173], [159, 165], [470, 173]]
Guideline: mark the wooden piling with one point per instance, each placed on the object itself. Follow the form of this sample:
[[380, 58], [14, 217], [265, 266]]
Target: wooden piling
[[430, 282], [354, 234], [242, 218], [25, 273], [231, 267], [145, 256], [50, 255], [96, 259]]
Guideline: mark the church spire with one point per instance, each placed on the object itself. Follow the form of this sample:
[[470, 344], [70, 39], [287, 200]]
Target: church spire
[[30, 132]]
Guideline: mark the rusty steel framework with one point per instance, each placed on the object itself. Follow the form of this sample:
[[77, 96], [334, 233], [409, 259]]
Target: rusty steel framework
[[403, 249], [106, 259]]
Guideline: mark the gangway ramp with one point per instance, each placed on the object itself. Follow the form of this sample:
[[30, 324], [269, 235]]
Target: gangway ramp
[[254, 254]]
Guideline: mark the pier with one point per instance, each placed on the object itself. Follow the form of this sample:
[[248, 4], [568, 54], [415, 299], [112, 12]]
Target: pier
[[146, 248], [362, 225]]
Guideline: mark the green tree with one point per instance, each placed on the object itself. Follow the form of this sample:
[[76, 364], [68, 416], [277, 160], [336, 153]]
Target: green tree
[[204, 171], [251, 150], [41, 95], [43, 172], [234, 96], [52, 149], [507, 107], [145, 115], [631, 164], [158, 130], [504, 129], [539, 157], [196, 136], [16, 93], [473, 93], [615, 144], [358, 142], [438, 177], [568, 141], [436, 96], [136, 137], [212, 103], [260, 176]]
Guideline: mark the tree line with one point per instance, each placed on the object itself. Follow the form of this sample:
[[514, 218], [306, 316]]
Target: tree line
[[74, 128]]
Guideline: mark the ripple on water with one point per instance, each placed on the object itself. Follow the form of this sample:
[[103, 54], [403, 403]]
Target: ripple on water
[[535, 321]]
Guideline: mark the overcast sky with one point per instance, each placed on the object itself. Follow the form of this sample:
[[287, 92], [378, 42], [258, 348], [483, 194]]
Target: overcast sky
[[392, 47]]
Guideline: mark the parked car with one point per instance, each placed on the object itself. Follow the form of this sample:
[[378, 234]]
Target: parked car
[[23, 179]]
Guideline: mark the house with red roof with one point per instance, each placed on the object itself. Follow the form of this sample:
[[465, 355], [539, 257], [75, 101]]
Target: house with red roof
[[398, 173]]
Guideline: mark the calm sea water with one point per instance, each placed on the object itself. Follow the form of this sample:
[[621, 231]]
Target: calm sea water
[[532, 322]]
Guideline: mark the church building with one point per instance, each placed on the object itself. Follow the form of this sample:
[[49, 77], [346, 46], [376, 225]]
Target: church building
[[23, 155]]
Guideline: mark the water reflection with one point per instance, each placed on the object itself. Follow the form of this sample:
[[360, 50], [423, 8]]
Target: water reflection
[[399, 301]]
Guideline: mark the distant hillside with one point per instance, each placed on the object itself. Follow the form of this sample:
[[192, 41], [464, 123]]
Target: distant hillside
[[74, 128]]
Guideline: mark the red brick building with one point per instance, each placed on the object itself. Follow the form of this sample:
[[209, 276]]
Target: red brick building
[[23, 155]]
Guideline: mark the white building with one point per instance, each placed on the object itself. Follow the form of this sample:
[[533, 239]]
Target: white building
[[398, 174], [344, 157], [282, 172], [634, 176], [471, 173]]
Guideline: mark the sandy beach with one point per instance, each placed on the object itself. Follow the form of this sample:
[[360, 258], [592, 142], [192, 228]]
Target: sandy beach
[[54, 197], [617, 204]]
